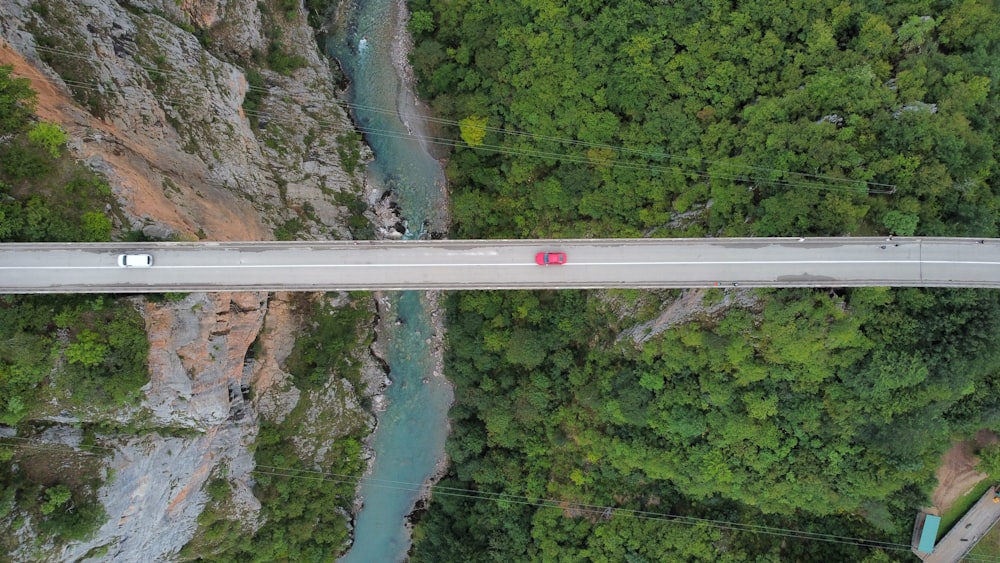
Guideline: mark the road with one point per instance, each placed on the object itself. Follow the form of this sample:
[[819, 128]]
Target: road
[[500, 264], [967, 532]]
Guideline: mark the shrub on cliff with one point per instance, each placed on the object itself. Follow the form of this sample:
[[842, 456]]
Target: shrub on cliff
[[17, 102]]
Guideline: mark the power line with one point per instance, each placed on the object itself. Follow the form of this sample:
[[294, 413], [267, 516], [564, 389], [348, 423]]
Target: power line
[[845, 184], [511, 132], [443, 141], [595, 510], [461, 492], [46, 446], [582, 507], [471, 494]]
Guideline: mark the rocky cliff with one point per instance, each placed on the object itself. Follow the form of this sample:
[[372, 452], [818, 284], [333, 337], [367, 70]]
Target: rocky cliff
[[164, 117], [212, 119]]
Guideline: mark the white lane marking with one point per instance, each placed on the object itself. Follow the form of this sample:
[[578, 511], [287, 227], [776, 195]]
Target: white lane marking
[[470, 265], [958, 262], [500, 264], [557, 266]]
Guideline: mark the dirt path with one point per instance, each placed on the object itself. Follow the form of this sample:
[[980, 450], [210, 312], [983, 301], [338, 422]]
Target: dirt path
[[957, 473]]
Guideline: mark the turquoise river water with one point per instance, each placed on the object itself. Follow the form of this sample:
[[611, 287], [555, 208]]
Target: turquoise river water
[[411, 431]]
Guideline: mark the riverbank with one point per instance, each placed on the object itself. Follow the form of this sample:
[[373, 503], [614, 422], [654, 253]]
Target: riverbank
[[415, 114], [402, 46], [407, 193]]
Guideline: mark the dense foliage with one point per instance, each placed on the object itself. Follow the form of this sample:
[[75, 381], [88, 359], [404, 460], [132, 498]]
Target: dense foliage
[[784, 115], [62, 507], [304, 513], [327, 345], [809, 410], [804, 409], [92, 350], [303, 520]]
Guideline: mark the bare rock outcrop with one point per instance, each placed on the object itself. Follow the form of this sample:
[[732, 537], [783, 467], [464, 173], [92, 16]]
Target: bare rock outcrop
[[274, 394], [690, 304], [156, 496], [198, 357], [239, 25]]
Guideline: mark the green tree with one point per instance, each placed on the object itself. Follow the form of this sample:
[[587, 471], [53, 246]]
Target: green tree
[[473, 130], [17, 102], [89, 349], [421, 21], [916, 31], [989, 461], [525, 349], [22, 161], [48, 136], [96, 227], [55, 497], [900, 223]]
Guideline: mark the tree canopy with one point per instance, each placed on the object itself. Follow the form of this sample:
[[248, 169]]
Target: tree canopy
[[787, 118], [17, 102]]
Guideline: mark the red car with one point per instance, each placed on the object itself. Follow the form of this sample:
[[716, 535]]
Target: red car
[[550, 258]]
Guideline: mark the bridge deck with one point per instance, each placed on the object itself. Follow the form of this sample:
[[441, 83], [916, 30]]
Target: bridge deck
[[964, 535]]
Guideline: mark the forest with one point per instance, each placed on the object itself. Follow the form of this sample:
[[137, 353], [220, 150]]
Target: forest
[[747, 433]]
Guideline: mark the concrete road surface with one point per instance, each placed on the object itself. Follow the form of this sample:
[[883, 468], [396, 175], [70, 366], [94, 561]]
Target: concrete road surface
[[501, 264], [967, 532]]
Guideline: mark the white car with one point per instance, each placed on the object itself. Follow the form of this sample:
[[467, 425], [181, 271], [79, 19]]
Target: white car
[[135, 260]]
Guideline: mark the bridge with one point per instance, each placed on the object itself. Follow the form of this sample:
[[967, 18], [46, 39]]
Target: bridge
[[501, 264], [966, 533]]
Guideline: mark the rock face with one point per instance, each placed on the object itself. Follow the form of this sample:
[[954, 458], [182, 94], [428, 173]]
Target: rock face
[[166, 117], [274, 394], [200, 378], [155, 498], [198, 347], [154, 96]]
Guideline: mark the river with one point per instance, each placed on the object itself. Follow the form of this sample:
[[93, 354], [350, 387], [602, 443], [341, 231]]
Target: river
[[412, 430]]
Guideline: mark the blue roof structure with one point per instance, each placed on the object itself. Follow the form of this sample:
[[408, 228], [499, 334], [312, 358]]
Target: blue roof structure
[[928, 536]]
